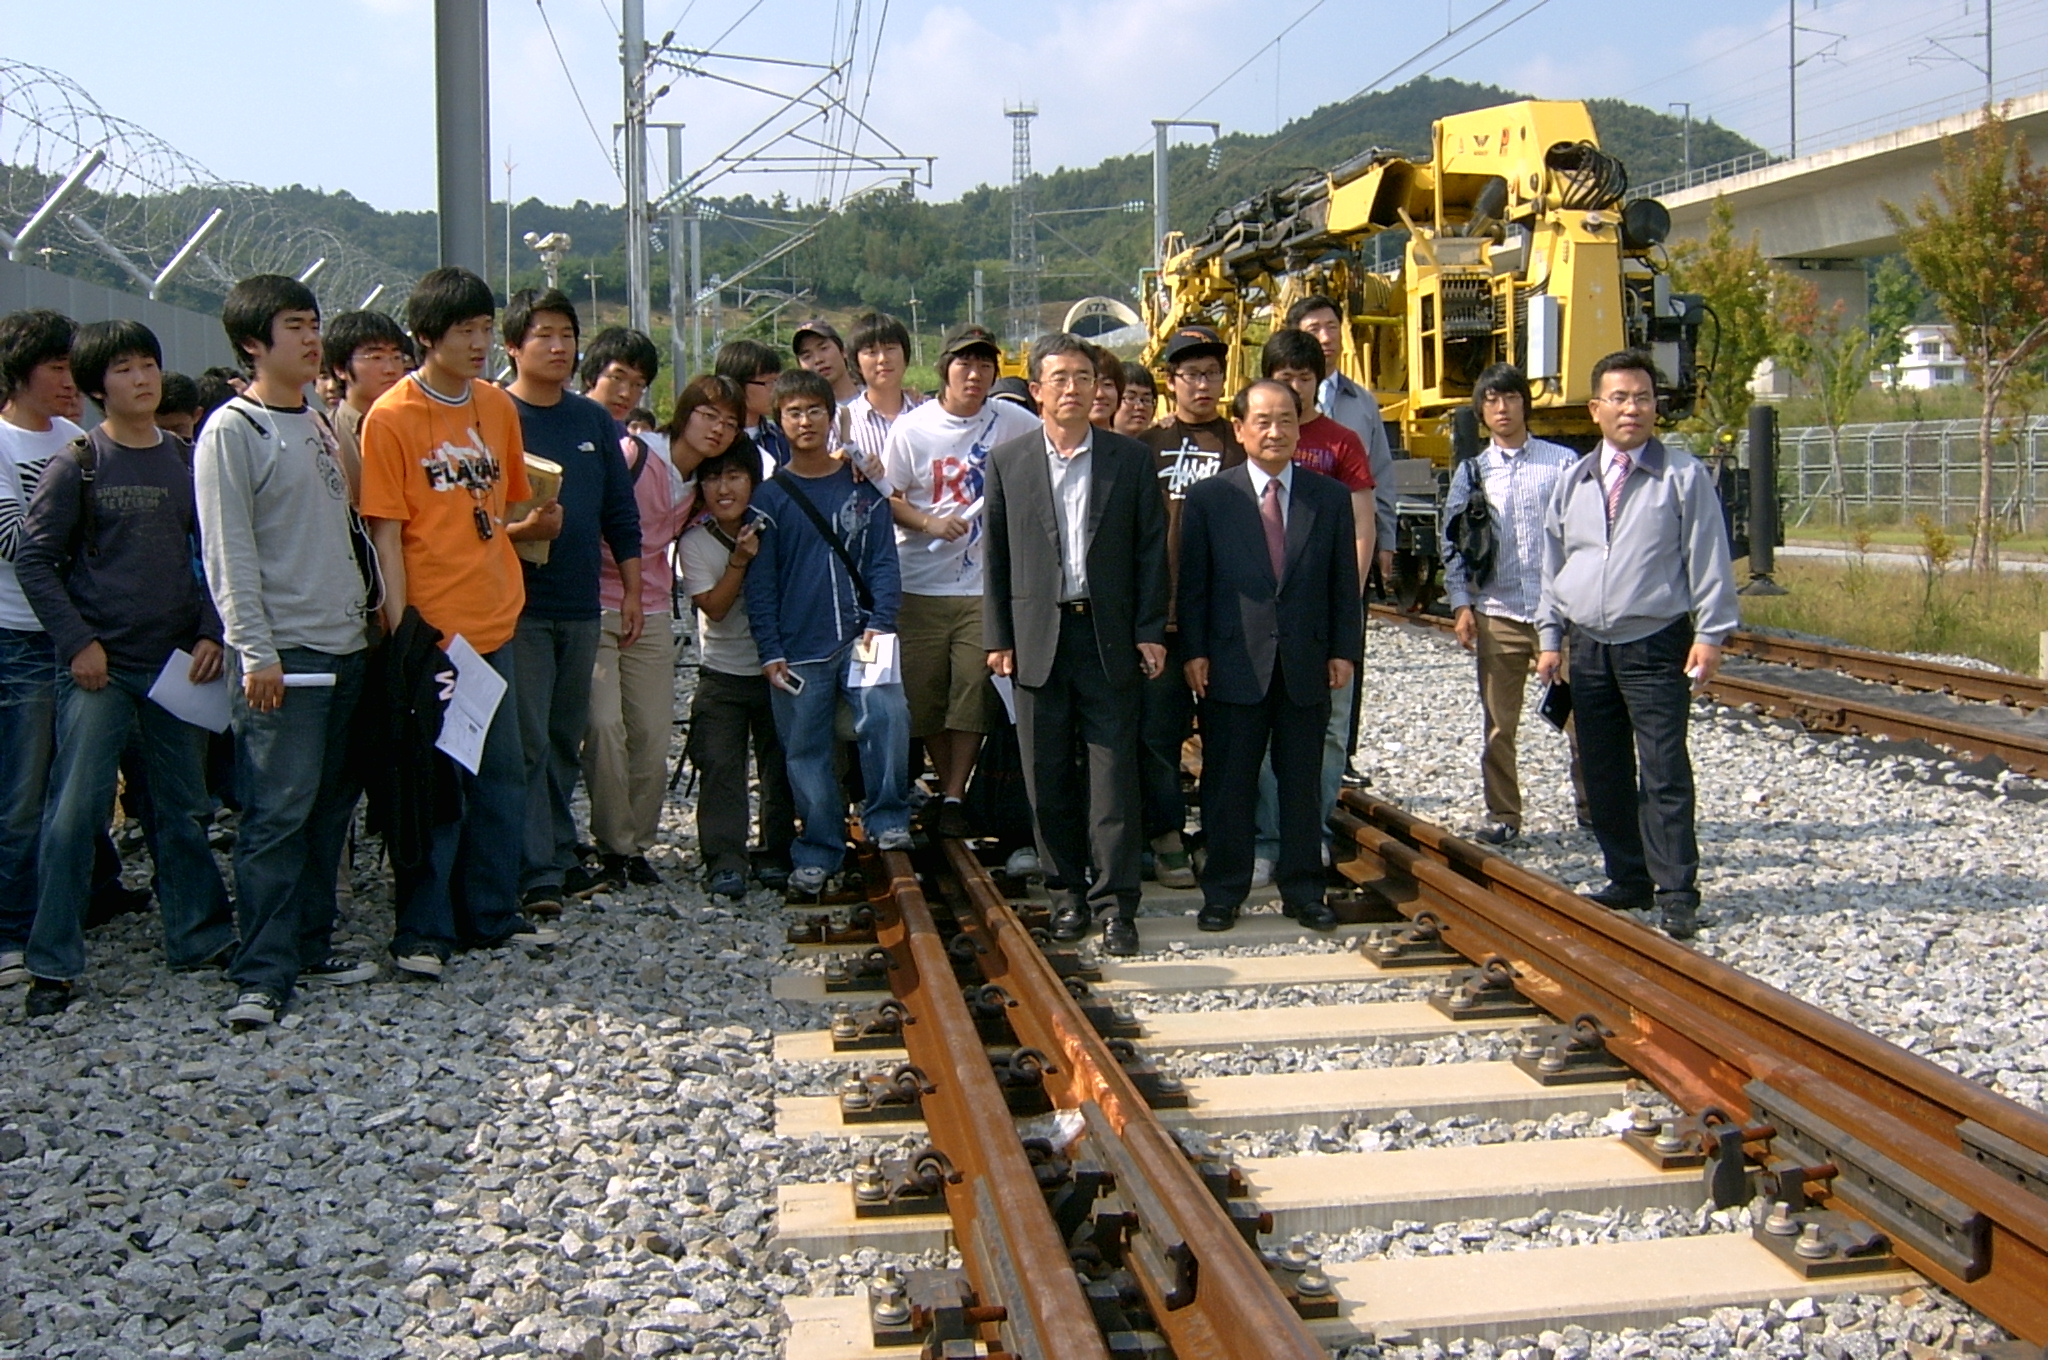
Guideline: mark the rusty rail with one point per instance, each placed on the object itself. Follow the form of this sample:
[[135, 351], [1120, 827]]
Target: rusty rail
[[1707, 1035], [1207, 1290], [2025, 754], [1236, 1309], [1008, 1242]]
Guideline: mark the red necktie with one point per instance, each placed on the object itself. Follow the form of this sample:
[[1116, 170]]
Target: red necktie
[[1276, 528], [1620, 479]]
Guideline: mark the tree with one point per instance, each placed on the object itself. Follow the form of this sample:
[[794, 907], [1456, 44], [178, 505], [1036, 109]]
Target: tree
[[1896, 300], [1832, 356], [1980, 244], [1748, 300]]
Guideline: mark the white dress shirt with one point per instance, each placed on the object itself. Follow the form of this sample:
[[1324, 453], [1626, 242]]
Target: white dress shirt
[[1259, 479], [1070, 480]]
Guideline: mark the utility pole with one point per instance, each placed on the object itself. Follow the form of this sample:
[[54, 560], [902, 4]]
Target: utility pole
[[696, 291], [916, 337], [1688, 136], [509, 168], [1160, 127], [462, 102], [592, 275], [633, 22], [681, 224], [1024, 264], [974, 311]]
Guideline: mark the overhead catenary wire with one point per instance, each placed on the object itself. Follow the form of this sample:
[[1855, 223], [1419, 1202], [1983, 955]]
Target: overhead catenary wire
[[603, 148]]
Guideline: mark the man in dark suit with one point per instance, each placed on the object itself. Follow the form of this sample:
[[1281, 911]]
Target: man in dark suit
[[1074, 611], [1270, 623]]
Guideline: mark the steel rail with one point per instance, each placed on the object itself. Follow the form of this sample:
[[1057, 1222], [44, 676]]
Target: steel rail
[[1236, 1310], [1008, 1241], [2025, 754], [1703, 1032]]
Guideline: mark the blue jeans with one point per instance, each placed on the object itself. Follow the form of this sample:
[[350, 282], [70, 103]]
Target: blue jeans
[[468, 890], [28, 717], [554, 658], [298, 794], [92, 727], [881, 725], [1336, 753]]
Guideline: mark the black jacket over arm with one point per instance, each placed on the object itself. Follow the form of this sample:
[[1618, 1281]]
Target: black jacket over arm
[[1126, 556], [1232, 611]]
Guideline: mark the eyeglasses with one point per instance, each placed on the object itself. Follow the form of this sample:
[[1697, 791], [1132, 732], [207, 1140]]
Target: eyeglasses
[[1060, 382], [1199, 377], [1623, 401]]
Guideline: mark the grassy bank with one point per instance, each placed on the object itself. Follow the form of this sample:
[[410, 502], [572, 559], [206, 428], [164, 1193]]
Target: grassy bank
[[1887, 609]]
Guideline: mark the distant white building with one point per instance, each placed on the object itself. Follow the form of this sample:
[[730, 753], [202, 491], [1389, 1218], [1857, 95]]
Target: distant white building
[[1928, 358]]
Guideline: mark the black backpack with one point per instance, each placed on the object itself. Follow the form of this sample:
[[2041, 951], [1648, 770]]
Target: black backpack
[[1471, 531]]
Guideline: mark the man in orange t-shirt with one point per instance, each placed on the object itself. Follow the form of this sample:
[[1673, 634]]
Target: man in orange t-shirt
[[442, 460]]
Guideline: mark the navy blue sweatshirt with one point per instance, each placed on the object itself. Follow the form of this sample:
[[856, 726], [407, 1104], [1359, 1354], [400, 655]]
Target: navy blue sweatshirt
[[800, 600], [597, 503]]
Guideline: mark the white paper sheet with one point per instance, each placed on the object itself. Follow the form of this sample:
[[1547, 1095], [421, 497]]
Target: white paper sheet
[[1006, 690], [478, 691], [969, 512], [309, 680], [201, 705], [877, 667]]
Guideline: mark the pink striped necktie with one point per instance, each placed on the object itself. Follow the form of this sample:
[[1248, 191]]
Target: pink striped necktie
[[1619, 479], [1276, 528]]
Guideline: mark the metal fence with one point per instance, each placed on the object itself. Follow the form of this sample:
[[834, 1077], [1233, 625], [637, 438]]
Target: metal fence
[[1894, 472], [1707, 174]]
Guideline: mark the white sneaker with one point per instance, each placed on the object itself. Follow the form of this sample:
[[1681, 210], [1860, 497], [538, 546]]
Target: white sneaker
[[807, 881], [1262, 873], [253, 1010], [13, 968], [1022, 863]]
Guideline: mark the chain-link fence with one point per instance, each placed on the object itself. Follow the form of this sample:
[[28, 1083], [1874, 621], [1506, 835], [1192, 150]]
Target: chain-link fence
[[1892, 473]]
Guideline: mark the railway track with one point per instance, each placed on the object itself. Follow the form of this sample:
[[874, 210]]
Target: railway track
[[1868, 715], [1119, 1227]]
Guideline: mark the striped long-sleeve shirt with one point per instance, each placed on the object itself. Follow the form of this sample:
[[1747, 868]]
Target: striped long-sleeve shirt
[[23, 456], [1518, 486]]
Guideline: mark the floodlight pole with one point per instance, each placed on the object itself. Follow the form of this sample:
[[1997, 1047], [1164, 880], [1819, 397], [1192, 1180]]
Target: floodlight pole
[[1160, 127], [17, 244], [462, 101]]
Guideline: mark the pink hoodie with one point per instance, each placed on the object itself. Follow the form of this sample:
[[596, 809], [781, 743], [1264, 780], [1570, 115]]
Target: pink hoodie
[[663, 513]]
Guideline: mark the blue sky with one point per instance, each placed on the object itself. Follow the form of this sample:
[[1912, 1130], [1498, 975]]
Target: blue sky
[[338, 93]]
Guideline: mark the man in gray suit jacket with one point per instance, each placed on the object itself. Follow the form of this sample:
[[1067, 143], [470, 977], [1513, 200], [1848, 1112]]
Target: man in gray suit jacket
[[1074, 611]]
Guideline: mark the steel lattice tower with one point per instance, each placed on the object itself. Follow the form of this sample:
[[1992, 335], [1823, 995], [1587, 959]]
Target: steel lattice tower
[[1025, 265]]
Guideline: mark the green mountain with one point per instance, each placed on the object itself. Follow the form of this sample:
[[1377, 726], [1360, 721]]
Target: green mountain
[[887, 248]]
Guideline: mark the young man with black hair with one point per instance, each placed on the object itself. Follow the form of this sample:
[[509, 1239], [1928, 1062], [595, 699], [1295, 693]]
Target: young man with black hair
[[1356, 409], [442, 459], [367, 352], [36, 388], [178, 410], [106, 562], [1109, 388], [817, 347], [1194, 443], [281, 566], [1295, 360], [823, 590], [755, 366], [556, 643], [632, 687], [1516, 474], [881, 346], [935, 459], [1139, 404], [216, 385]]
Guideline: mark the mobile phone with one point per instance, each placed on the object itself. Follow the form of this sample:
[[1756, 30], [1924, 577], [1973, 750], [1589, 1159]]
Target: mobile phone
[[792, 682]]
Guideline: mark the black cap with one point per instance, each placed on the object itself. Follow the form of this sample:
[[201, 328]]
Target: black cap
[[1191, 342], [819, 327], [1013, 390], [970, 336]]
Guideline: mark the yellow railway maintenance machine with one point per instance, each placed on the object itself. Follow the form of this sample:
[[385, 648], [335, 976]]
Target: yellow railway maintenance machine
[[1514, 241]]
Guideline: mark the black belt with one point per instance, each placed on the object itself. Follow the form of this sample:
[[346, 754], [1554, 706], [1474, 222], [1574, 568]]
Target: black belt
[[1075, 607]]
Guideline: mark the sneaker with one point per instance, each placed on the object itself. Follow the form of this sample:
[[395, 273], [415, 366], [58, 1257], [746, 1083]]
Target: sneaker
[[773, 874], [953, 823], [727, 883], [253, 1010], [1262, 872], [608, 876], [808, 881], [1497, 833], [13, 968], [421, 958], [339, 970], [526, 933], [46, 996], [1173, 869], [896, 839], [1023, 863], [541, 900], [640, 873]]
